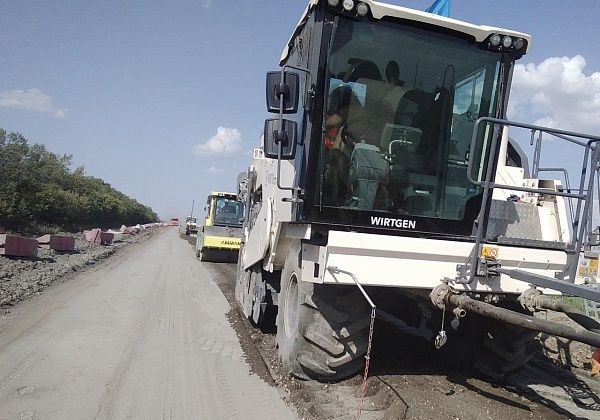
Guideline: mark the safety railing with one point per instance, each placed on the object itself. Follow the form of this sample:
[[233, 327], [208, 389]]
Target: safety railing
[[583, 194]]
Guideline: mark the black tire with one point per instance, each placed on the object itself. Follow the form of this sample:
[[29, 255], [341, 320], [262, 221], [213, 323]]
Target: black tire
[[504, 350], [242, 284], [322, 330], [207, 255]]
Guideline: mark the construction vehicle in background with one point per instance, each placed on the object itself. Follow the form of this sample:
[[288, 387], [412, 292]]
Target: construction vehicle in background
[[218, 239], [190, 222], [387, 186], [191, 226]]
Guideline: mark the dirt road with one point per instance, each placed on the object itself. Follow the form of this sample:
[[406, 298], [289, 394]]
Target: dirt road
[[409, 380], [143, 335]]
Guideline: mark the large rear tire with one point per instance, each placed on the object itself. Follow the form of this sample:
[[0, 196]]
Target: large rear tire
[[322, 330], [207, 255]]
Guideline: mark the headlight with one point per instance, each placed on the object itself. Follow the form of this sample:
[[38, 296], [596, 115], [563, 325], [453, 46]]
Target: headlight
[[507, 41], [518, 44], [348, 5], [495, 40], [362, 9], [333, 3]]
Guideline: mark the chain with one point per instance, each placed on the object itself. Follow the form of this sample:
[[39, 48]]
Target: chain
[[441, 338], [363, 386]]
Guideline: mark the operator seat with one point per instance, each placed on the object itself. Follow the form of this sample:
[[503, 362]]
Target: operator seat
[[412, 111]]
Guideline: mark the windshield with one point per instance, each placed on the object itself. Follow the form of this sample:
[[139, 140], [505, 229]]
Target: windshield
[[228, 211], [400, 109]]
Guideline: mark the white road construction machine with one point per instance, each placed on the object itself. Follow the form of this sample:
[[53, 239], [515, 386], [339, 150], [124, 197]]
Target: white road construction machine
[[386, 186]]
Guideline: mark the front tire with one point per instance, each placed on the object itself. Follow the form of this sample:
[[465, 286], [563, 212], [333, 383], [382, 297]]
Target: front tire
[[206, 255], [322, 330], [242, 285]]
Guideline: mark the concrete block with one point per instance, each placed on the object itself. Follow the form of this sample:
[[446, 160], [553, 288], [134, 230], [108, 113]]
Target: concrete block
[[93, 235], [17, 246], [127, 230], [62, 243], [44, 240], [106, 238], [118, 235]]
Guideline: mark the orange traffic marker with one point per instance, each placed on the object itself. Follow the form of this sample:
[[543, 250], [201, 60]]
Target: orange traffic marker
[[596, 362]]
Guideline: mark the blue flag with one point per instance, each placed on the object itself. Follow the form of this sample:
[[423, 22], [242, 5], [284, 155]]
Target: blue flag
[[440, 7]]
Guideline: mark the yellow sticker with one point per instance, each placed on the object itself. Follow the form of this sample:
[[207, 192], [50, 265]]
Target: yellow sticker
[[593, 263], [489, 252]]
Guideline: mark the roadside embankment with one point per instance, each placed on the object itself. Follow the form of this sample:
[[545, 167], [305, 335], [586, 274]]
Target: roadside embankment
[[21, 278]]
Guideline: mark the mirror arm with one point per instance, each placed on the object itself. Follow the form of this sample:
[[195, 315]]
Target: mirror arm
[[281, 187]]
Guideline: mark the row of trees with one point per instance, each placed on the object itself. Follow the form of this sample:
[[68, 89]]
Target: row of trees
[[39, 191]]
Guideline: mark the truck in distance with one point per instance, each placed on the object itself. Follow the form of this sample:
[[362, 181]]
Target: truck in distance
[[190, 225]]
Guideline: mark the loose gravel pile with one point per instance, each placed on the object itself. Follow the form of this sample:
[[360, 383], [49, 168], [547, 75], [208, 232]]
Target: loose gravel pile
[[565, 352], [21, 278]]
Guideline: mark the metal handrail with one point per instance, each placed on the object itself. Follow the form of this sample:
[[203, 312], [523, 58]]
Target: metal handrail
[[567, 185], [583, 194]]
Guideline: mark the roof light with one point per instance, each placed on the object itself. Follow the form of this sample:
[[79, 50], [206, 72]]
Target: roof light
[[495, 40], [333, 3], [507, 41], [362, 9], [348, 5], [518, 44]]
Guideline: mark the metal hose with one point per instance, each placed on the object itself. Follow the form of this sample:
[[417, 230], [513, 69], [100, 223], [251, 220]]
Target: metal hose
[[576, 315], [524, 321]]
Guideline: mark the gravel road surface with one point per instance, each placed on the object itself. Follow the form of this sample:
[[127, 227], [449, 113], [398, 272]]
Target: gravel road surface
[[141, 335]]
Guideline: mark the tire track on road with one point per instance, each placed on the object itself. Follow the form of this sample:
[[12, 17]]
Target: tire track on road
[[134, 347]]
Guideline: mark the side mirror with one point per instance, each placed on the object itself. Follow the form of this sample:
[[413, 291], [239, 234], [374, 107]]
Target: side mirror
[[274, 136], [242, 186], [289, 87]]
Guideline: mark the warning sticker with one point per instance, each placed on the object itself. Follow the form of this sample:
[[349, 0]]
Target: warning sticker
[[489, 252]]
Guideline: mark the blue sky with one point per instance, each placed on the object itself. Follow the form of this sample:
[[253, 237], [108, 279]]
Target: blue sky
[[141, 92]]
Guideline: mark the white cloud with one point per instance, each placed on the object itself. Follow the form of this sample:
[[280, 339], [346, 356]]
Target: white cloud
[[557, 93], [31, 100], [226, 141], [213, 170]]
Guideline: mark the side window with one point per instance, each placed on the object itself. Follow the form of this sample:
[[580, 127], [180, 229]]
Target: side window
[[467, 103], [467, 95]]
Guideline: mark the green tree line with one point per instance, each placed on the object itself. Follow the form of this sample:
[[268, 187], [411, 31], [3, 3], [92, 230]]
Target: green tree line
[[40, 192]]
